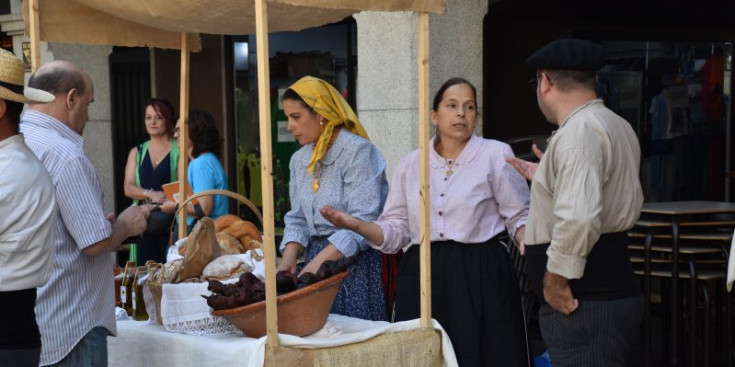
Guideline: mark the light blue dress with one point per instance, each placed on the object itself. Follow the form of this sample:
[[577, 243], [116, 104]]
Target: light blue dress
[[351, 179]]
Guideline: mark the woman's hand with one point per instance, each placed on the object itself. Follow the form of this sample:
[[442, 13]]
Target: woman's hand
[[168, 206], [520, 233], [339, 218], [330, 252], [371, 231], [290, 255], [157, 196]]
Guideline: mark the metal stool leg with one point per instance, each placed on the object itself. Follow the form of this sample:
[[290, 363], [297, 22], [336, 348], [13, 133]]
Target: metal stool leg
[[706, 348], [692, 313], [647, 299]]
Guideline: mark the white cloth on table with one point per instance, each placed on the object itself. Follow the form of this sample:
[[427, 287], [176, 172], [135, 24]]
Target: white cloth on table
[[731, 266], [184, 310], [142, 344]]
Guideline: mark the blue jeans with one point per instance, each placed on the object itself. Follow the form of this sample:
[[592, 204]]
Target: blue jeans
[[91, 351]]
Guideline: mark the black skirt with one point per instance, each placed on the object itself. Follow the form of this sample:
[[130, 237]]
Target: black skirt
[[475, 297]]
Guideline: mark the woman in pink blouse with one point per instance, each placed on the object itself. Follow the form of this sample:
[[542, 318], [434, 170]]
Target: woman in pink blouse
[[475, 198]]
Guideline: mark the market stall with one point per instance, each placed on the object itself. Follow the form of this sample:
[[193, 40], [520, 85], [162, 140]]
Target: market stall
[[175, 24], [344, 341]]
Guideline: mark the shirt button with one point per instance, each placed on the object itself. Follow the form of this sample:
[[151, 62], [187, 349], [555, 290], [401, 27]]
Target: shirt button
[[445, 178], [441, 235], [442, 195], [440, 213]]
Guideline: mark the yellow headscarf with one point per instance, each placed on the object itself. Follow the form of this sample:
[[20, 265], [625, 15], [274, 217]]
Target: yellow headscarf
[[325, 100]]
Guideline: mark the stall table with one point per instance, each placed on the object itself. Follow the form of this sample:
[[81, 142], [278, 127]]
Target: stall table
[[343, 341]]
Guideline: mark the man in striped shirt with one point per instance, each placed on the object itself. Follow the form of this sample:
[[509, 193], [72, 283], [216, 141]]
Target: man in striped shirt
[[75, 309]]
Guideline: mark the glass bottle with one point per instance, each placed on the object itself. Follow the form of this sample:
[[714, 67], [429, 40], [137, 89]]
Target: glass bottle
[[139, 311], [126, 287], [118, 274]]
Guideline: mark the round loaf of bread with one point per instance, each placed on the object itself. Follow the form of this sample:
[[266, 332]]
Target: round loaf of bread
[[225, 267], [229, 244], [244, 231], [171, 270], [223, 222]]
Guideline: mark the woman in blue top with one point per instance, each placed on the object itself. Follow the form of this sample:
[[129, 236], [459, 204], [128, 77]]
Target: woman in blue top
[[205, 172], [336, 166]]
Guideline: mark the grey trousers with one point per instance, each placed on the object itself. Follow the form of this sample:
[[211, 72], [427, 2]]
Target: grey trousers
[[598, 333]]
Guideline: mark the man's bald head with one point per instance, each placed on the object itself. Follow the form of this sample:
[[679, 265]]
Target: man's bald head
[[59, 77], [73, 89]]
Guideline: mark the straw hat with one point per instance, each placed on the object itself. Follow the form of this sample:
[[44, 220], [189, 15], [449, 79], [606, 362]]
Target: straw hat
[[12, 76]]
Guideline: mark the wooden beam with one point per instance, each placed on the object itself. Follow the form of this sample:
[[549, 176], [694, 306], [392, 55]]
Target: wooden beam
[[424, 189], [35, 34], [183, 130], [266, 163]]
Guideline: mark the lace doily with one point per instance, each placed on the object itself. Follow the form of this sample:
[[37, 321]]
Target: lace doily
[[207, 326]]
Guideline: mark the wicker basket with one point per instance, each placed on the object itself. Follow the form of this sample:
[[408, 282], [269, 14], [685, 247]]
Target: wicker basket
[[154, 284]]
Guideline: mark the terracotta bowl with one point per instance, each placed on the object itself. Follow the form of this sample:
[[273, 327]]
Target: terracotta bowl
[[300, 312]]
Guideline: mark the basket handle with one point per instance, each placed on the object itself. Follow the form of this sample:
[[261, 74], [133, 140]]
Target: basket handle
[[230, 194]]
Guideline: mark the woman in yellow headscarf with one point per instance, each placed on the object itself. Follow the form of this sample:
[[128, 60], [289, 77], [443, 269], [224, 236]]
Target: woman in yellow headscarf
[[336, 166]]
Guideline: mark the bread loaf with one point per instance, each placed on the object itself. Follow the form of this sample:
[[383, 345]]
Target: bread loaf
[[229, 244], [225, 267], [244, 231], [225, 221], [169, 271]]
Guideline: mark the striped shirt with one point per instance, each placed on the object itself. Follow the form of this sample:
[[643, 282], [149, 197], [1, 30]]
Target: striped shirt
[[79, 295]]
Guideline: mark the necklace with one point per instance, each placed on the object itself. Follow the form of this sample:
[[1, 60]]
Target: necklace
[[154, 151], [450, 164], [318, 167]]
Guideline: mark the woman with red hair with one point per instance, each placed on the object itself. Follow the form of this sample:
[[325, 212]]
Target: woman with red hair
[[151, 165]]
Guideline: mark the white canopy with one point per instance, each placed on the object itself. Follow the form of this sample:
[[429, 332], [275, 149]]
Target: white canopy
[[159, 23]]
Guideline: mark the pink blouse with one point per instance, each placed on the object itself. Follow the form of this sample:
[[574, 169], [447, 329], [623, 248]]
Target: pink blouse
[[483, 196]]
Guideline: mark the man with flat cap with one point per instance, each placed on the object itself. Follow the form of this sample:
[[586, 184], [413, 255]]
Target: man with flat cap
[[585, 195]]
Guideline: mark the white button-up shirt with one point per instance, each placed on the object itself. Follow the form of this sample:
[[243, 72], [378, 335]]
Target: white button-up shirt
[[29, 215], [79, 295]]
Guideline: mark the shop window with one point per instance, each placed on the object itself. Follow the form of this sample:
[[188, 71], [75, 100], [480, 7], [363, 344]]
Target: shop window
[[326, 52], [676, 95]]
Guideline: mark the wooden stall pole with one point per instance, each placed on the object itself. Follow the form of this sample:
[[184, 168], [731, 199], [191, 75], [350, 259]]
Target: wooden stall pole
[[424, 190], [266, 163], [183, 130], [35, 34]]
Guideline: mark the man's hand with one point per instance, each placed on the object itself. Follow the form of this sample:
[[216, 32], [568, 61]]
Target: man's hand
[[524, 167], [131, 222], [558, 294], [134, 219]]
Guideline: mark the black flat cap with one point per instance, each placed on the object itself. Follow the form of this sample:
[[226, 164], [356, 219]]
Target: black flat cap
[[567, 54]]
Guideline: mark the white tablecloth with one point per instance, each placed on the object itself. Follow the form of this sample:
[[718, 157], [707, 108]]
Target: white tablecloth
[[140, 343]]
